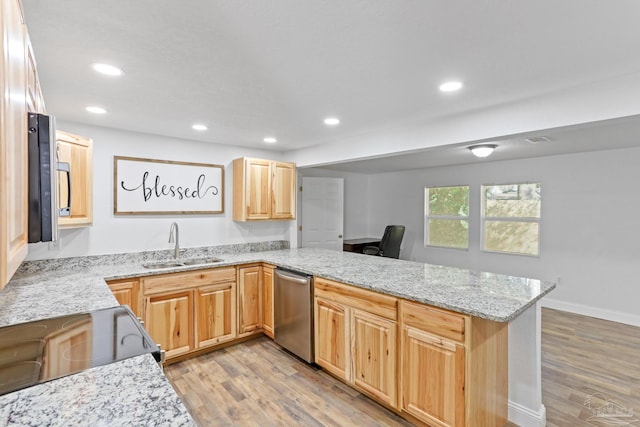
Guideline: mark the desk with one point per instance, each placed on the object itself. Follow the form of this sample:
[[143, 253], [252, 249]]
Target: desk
[[357, 245]]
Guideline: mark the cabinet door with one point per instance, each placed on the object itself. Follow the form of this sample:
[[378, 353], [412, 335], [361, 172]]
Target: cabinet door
[[283, 203], [332, 337], [216, 314], [433, 373], [250, 299], [127, 293], [258, 189], [78, 152], [13, 141], [267, 301], [169, 320], [374, 355]]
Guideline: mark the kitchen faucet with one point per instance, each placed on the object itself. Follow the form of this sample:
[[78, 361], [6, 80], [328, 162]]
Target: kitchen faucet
[[176, 238]]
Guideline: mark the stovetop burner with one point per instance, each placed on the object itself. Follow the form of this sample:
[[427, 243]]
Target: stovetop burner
[[42, 350]]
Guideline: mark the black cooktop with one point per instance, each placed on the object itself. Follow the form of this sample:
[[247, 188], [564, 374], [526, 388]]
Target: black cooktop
[[42, 350]]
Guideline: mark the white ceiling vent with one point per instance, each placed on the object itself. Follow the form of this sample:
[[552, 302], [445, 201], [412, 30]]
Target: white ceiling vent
[[537, 139]]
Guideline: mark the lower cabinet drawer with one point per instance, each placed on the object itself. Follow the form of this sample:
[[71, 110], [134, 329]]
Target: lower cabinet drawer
[[435, 320], [190, 279]]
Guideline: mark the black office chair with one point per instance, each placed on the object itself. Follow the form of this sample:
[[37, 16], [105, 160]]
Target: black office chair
[[390, 243]]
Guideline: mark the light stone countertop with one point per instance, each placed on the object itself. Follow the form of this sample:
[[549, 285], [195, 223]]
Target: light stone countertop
[[49, 288]]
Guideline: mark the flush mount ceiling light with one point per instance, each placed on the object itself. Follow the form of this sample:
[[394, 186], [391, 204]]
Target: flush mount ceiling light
[[199, 127], [537, 139], [107, 70], [331, 121], [96, 110], [482, 150], [270, 140], [451, 86]]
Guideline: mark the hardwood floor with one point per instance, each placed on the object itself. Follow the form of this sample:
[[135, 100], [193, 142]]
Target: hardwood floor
[[584, 362], [256, 383]]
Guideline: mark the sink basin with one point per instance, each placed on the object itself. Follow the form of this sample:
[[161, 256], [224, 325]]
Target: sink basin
[[198, 261], [163, 264], [181, 263]]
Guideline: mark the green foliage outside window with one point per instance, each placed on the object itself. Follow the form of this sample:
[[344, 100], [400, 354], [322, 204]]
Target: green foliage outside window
[[447, 211]]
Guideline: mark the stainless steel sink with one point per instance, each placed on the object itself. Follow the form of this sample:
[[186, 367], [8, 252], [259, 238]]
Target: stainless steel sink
[[163, 264], [198, 261], [181, 263]]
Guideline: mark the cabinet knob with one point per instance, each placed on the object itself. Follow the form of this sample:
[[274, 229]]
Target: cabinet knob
[[339, 236]]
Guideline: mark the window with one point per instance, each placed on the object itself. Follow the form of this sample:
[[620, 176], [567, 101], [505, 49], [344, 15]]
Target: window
[[511, 218], [447, 217]]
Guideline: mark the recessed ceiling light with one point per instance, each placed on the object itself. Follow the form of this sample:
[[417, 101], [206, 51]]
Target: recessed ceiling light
[[331, 121], [199, 127], [270, 140], [96, 110], [482, 150], [108, 70], [451, 86]]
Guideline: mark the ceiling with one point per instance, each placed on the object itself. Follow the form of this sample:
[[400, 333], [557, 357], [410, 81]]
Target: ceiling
[[250, 69]]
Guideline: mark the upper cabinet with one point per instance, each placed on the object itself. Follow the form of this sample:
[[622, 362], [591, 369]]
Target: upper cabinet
[[75, 188], [263, 189], [13, 140], [35, 100]]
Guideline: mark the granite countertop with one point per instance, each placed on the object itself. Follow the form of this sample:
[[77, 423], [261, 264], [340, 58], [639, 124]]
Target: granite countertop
[[49, 288]]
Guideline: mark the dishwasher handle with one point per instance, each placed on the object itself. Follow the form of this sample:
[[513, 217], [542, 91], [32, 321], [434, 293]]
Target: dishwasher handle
[[293, 277]]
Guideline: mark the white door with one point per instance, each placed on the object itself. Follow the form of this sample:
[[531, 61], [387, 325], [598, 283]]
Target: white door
[[322, 212]]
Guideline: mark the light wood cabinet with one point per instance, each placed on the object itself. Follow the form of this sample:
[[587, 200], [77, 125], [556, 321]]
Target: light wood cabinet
[[430, 365], [331, 337], [190, 311], [35, 100], [78, 152], [283, 200], [374, 355], [267, 300], [453, 367], [433, 378], [355, 337], [169, 320], [216, 314], [127, 292], [13, 140], [249, 299], [263, 189]]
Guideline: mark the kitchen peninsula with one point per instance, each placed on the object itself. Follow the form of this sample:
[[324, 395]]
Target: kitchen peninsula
[[49, 288]]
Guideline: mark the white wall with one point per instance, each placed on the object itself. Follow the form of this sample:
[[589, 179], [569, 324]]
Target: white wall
[[589, 229], [356, 191], [134, 233]]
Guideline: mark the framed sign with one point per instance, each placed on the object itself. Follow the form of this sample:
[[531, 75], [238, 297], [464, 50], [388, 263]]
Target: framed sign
[[156, 187]]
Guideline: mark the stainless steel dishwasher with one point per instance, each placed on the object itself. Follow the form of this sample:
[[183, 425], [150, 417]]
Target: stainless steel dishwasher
[[293, 312]]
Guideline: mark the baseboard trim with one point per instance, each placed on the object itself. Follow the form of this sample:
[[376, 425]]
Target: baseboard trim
[[614, 316], [526, 417]]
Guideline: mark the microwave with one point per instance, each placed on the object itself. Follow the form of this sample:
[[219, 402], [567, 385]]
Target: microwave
[[44, 204]]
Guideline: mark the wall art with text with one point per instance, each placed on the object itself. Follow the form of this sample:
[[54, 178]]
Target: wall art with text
[[150, 187]]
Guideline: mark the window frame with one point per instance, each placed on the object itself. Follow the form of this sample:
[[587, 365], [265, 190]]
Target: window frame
[[484, 219], [426, 217]]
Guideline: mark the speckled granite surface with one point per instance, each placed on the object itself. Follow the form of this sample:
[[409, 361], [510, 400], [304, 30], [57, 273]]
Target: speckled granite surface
[[133, 392], [43, 289]]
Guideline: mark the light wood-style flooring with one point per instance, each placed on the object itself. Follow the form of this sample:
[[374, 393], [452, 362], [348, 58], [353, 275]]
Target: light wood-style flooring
[[256, 383], [586, 361]]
